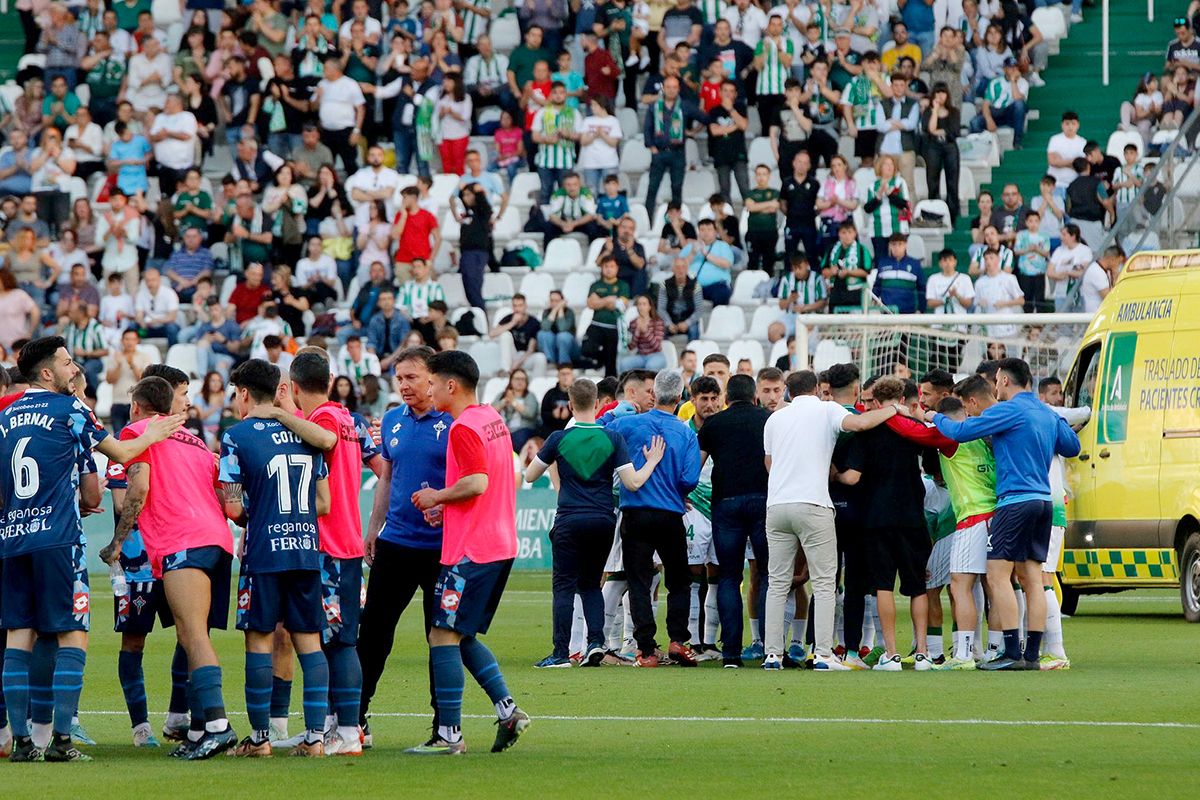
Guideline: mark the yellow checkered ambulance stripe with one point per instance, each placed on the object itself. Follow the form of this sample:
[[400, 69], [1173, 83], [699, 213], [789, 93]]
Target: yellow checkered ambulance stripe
[[1102, 566]]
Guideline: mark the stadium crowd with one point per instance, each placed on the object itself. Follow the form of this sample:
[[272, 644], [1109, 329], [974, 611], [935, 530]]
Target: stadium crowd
[[237, 180], [329, 257]]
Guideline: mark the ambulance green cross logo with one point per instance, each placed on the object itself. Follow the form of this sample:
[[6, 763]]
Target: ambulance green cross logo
[[1115, 390]]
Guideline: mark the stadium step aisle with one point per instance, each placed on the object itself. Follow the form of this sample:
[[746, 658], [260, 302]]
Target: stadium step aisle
[[1073, 81]]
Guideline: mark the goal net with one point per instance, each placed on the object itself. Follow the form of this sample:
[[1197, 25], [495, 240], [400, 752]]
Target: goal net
[[909, 345]]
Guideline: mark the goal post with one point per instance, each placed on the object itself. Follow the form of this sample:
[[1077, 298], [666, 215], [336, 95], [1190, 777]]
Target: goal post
[[912, 344]]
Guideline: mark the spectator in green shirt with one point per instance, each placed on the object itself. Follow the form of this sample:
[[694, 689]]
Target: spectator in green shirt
[[606, 298], [193, 205], [762, 226], [521, 61], [59, 107]]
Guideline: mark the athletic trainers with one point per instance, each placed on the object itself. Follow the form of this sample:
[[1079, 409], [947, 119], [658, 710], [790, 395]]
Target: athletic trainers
[[754, 651], [872, 656], [184, 749], [731, 663], [368, 741], [248, 748], [1049, 662], [289, 742], [509, 730], [278, 729], [681, 653], [6, 742], [888, 663], [772, 661], [61, 750], [648, 661], [143, 736], [24, 751], [991, 654], [629, 651], [308, 750], [554, 662], [1035, 79], [922, 662], [174, 733], [1076, 19], [594, 656], [336, 745], [437, 746], [212, 744], [706, 652], [854, 661], [828, 664], [1002, 662], [955, 664], [80, 736], [796, 652]]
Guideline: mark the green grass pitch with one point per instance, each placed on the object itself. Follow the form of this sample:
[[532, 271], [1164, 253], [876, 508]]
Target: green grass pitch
[[1123, 722]]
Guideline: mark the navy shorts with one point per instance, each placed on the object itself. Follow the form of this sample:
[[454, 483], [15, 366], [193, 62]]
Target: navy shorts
[[217, 565], [47, 591], [135, 612], [343, 592], [1020, 532], [467, 595], [292, 597]]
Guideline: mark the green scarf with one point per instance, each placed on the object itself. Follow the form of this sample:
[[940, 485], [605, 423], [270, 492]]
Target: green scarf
[[676, 133], [424, 126]]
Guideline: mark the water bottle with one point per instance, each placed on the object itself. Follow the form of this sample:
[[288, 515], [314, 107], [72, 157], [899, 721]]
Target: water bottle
[[116, 575], [434, 515]]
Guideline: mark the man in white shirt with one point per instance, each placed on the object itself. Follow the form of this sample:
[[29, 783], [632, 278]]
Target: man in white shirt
[[360, 12], [173, 135], [157, 307], [86, 140], [355, 361], [1066, 268], [341, 108], [118, 231], [747, 22], [798, 441], [150, 73], [485, 75], [1100, 277], [371, 183], [998, 292], [949, 291], [1062, 151]]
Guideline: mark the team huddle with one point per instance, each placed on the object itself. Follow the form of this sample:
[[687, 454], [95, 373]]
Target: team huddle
[[852, 486], [290, 475]]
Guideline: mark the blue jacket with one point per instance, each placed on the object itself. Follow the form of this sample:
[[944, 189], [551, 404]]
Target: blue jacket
[[678, 472], [384, 339], [900, 284], [1026, 435]]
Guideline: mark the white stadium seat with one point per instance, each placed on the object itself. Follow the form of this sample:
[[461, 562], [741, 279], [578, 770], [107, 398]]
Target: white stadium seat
[[703, 348], [576, 288], [745, 349], [635, 157], [744, 285], [183, 356], [563, 255], [525, 186], [497, 287], [725, 324], [764, 315], [536, 287]]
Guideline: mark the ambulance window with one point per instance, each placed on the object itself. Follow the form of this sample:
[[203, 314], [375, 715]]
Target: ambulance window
[[1083, 379]]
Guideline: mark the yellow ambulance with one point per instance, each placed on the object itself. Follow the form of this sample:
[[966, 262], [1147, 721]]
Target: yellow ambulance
[[1134, 507]]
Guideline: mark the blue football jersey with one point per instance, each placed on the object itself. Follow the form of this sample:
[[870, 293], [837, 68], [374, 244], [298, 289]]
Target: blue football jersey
[[362, 426], [44, 437], [279, 474]]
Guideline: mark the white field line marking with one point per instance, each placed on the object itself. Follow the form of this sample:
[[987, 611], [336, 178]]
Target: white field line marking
[[1037, 723]]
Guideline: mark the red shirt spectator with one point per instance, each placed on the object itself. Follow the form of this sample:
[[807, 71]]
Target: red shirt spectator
[[414, 236], [249, 294], [600, 74]]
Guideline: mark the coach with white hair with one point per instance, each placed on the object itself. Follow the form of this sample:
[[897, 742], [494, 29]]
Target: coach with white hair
[[652, 520], [798, 442]]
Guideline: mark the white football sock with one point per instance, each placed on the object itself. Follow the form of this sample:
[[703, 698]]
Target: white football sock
[[995, 640], [839, 620], [712, 615], [41, 733], [578, 629], [755, 630], [1052, 640], [934, 645], [869, 616], [799, 629], [612, 591], [349, 733], [789, 610], [1022, 609], [694, 612]]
